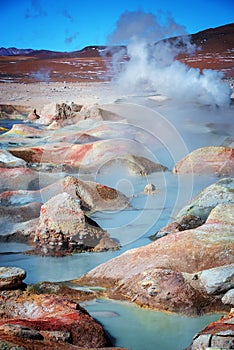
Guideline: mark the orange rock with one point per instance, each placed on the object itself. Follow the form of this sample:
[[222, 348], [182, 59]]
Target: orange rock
[[93, 196], [217, 335], [91, 156], [172, 263], [207, 160], [47, 321]]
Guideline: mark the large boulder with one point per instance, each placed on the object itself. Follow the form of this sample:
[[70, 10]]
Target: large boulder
[[91, 156], [63, 229], [47, 321], [201, 205], [136, 165], [165, 274], [196, 212], [218, 280], [93, 196], [216, 160]]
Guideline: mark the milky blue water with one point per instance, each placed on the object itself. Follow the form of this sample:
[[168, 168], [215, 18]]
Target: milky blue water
[[139, 329], [130, 326], [179, 130], [132, 227]]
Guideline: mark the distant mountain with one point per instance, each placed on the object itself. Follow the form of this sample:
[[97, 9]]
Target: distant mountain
[[13, 51], [212, 39], [103, 51], [88, 51], [215, 39], [209, 40]]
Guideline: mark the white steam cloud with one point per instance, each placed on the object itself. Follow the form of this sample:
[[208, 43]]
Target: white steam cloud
[[145, 26], [43, 74], [154, 66]]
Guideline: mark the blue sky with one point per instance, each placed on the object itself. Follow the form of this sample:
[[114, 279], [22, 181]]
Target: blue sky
[[67, 25]]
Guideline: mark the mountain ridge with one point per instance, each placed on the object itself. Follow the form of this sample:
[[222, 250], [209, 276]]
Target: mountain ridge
[[205, 39]]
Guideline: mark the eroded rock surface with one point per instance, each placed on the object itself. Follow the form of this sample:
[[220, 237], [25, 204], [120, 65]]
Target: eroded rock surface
[[201, 205], [90, 156], [196, 212], [63, 228], [217, 160], [47, 322], [165, 274], [93, 196], [217, 335], [61, 114], [11, 277], [8, 111], [45, 316]]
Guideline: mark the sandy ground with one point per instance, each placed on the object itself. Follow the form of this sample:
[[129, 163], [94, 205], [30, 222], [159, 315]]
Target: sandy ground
[[36, 95]]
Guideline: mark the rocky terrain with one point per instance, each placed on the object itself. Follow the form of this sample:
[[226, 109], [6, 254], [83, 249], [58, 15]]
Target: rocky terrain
[[217, 335], [156, 276], [30, 320], [52, 151], [60, 226], [187, 270]]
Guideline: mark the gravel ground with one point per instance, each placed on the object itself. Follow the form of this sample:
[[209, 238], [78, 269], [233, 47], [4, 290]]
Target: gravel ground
[[37, 95]]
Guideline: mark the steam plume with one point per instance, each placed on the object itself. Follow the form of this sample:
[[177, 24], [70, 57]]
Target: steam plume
[[144, 26], [154, 66]]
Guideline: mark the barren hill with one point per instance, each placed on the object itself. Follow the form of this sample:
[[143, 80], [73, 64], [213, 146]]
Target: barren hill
[[215, 48]]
